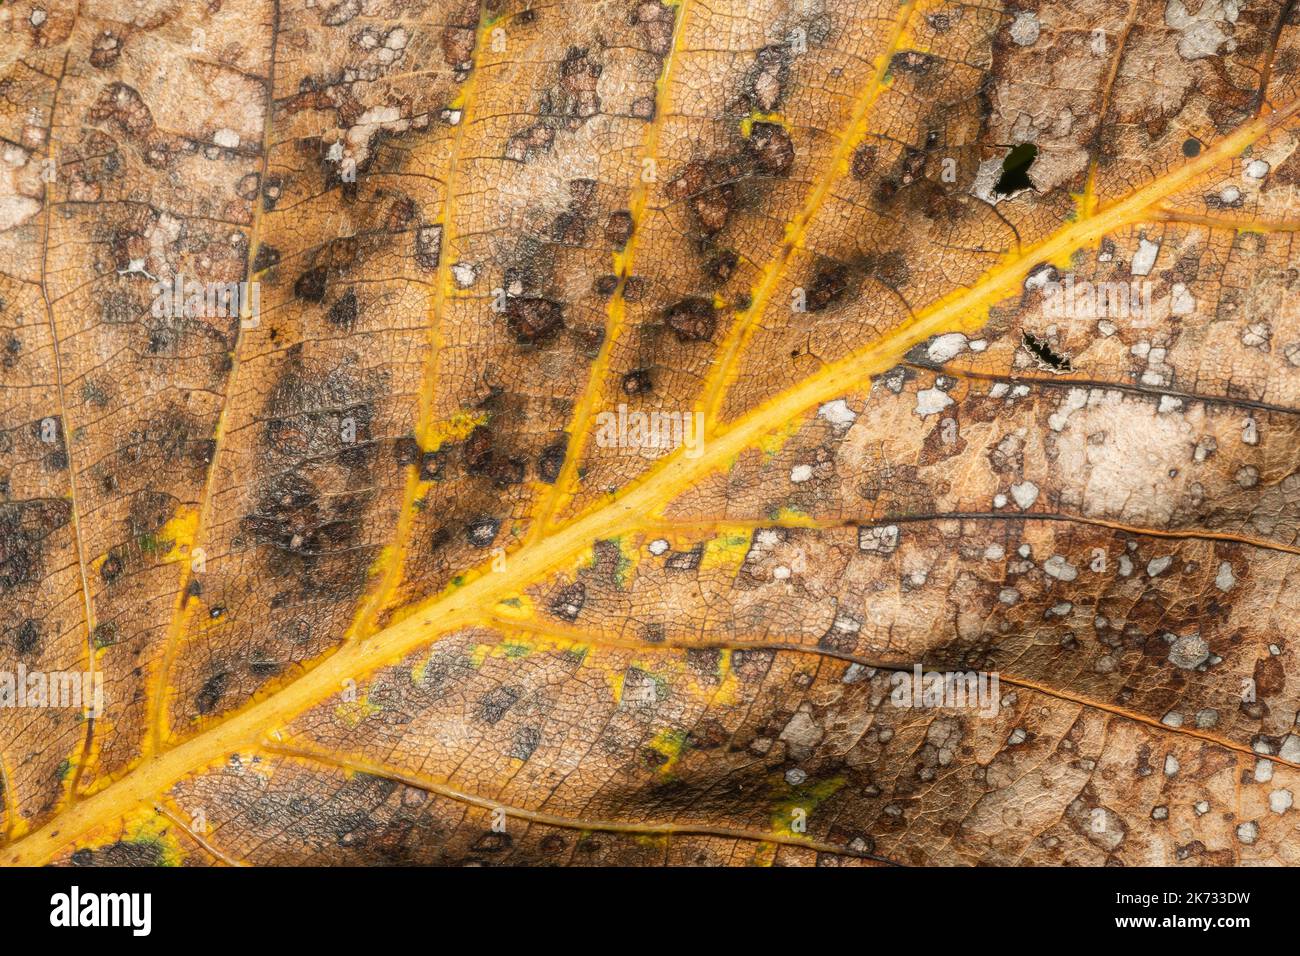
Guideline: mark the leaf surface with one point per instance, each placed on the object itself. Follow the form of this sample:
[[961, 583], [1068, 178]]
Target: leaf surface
[[375, 572]]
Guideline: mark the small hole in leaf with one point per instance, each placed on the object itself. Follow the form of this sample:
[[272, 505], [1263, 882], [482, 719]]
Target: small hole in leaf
[[1047, 357], [1015, 169]]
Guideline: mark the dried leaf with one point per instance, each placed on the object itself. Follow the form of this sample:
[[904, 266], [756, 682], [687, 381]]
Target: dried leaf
[[591, 433]]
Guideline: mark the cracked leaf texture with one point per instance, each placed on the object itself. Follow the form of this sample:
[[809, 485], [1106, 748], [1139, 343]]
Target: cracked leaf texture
[[361, 578]]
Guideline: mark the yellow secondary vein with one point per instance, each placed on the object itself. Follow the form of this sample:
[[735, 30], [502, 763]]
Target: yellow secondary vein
[[617, 311], [355, 765], [156, 712], [724, 371], [457, 607], [393, 559], [1089, 202], [77, 541], [569, 635]]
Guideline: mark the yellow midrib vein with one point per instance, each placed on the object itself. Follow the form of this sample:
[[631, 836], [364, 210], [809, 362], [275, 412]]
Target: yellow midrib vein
[[459, 606]]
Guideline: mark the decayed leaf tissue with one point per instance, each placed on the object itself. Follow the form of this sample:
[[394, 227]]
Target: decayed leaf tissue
[[620, 432]]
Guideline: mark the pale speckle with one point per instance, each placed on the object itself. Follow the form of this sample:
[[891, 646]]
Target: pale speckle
[[464, 273], [658, 546], [1248, 832], [1145, 258], [943, 348], [1059, 568], [837, 413], [881, 540], [1257, 335], [1025, 29], [1024, 494], [1075, 399], [931, 401], [1189, 652], [1279, 801], [1181, 301], [855, 673], [801, 473], [1225, 579]]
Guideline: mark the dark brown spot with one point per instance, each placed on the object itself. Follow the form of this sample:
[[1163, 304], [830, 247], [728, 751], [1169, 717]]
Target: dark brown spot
[[771, 148], [765, 84], [265, 257], [431, 466], [618, 228], [27, 637], [533, 320], [205, 702], [310, 286], [111, 569], [722, 265], [458, 46], [656, 22], [477, 450], [428, 247], [343, 313], [551, 460], [579, 74], [637, 382], [406, 450], [828, 287], [567, 603], [693, 319]]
